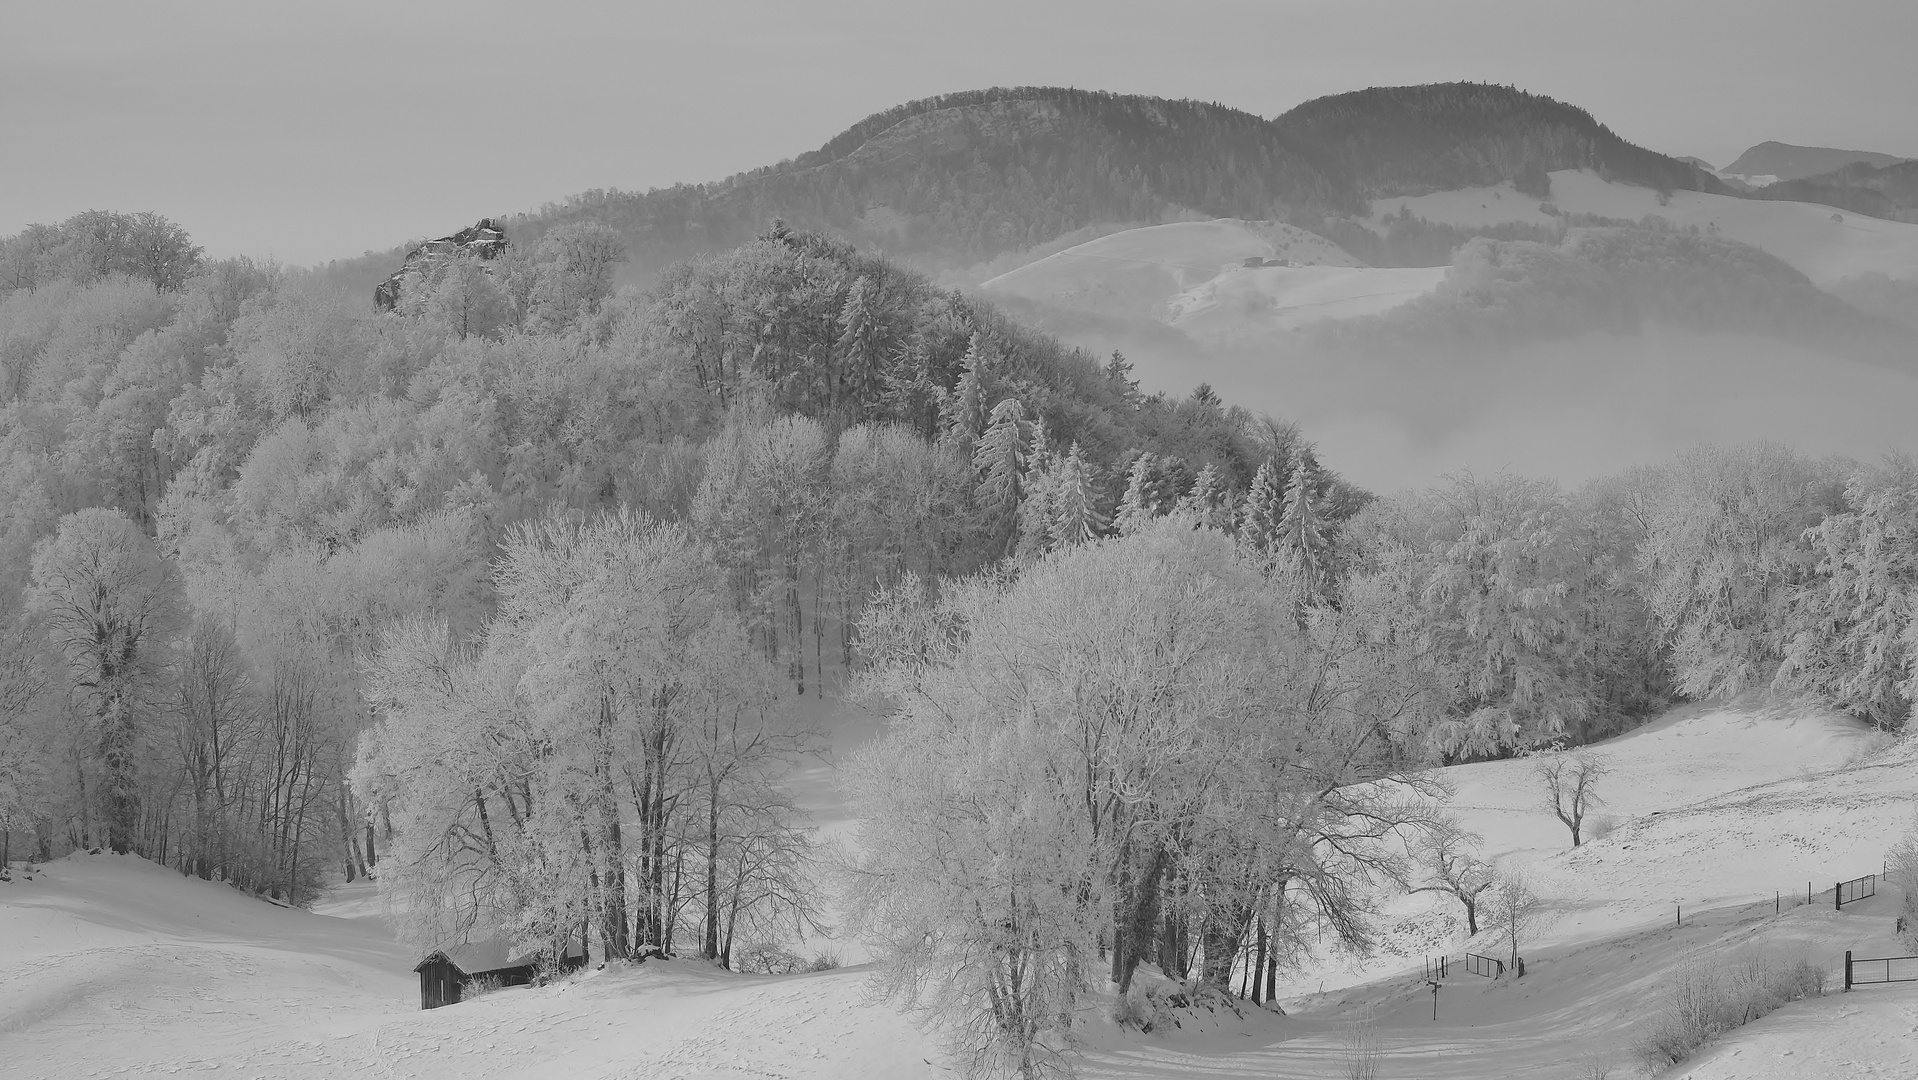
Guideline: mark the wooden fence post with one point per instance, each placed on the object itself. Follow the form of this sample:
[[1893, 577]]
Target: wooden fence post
[[1847, 971]]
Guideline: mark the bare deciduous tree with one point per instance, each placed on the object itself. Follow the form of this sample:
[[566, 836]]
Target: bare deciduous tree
[[1516, 912], [1570, 779], [1451, 857]]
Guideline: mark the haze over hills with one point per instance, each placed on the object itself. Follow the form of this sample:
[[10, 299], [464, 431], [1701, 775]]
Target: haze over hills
[[1126, 222], [953, 181], [1787, 162]]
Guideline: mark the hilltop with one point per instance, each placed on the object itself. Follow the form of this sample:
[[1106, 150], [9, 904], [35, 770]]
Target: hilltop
[[1784, 161], [951, 182], [1411, 140], [1881, 191]]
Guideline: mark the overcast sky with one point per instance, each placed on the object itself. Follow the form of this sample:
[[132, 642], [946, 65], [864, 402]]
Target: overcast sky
[[317, 131]]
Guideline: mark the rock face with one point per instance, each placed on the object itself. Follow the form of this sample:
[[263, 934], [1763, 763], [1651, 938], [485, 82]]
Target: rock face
[[483, 240]]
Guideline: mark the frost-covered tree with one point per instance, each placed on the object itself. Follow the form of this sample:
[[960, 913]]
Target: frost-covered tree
[[1149, 494], [1124, 722], [1208, 503], [1852, 639], [108, 600], [1517, 913], [1301, 543], [1262, 516], [602, 764], [1075, 505], [1497, 578], [1449, 856], [1725, 554], [965, 408]]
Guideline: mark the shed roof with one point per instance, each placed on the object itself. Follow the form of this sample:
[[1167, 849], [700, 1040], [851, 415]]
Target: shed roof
[[477, 957]]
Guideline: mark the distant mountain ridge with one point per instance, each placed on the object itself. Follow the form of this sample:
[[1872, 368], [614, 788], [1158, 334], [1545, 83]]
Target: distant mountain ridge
[[952, 181], [1883, 191], [1412, 140], [1788, 162]]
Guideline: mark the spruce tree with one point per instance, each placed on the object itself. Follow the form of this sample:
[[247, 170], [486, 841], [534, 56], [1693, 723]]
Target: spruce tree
[[860, 352], [1301, 542], [1264, 509], [1207, 502], [1039, 497], [1139, 504], [1001, 455], [966, 407], [1076, 517]]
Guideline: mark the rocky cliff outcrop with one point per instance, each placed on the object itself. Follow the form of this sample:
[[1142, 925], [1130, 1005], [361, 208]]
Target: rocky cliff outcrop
[[483, 240]]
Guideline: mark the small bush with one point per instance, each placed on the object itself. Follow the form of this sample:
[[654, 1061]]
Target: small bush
[[766, 958], [1362, 1048], [1710, 998], [1600, 826], [1903, 872], [824, 960], [479, 987]]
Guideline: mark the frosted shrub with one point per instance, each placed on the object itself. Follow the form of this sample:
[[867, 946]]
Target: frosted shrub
[[766, 958], [823, 960], [1902, 870], [1362, 1048], [1710, 997], [1600, 827]]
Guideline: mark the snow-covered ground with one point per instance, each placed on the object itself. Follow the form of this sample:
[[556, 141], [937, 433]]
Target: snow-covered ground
[[1189, 269], [1825, 244], [112, 967]]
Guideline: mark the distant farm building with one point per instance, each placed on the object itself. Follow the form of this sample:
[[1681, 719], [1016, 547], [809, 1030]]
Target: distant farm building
[[445, 974]]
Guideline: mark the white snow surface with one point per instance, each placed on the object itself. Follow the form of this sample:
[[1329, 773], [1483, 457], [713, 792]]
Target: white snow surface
[[1192, 275], [110, 966], [1825, 244]]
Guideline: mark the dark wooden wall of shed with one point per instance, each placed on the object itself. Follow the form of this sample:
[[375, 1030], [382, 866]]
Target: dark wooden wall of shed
[[440, 984]]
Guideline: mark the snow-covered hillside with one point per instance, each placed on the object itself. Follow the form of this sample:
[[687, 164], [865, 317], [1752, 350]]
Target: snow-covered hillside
[[113, 967], [1826, 245], [1194, 274]]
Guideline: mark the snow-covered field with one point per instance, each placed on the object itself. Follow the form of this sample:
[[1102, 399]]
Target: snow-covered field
[[1803, 234], [113, 967], [1192, 274]]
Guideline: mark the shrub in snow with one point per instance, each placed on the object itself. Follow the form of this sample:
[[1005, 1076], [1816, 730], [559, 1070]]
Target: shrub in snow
[[1902, 870], [1361, 1049], [1710, 997], [824, 960], [766, 958], [1600, 827]]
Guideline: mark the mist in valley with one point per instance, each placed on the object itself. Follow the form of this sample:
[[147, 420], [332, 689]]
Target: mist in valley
[[1569, 410]]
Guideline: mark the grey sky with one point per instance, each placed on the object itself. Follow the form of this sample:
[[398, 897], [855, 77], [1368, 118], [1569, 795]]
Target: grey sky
[[310, 132]]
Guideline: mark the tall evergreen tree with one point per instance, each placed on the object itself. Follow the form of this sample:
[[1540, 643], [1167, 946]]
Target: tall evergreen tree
[[966, 407], [1301, 542], [1263, 514], [1001, 456], [1076, 517], [1138, 506], [1208, 503], [861, 352]]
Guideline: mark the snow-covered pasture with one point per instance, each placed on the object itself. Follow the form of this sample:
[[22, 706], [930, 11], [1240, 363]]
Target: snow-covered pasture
[[110, 966], [1824, 244]]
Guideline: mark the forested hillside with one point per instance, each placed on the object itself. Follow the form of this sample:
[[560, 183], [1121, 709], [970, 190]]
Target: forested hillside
[[954, 180], [951, 182], [1409, 140], [1620, 278], [223, 493], [507, 597], [1887, 191]]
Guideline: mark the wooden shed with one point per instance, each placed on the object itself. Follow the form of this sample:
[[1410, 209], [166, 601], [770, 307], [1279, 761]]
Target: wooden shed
[[445, 973]]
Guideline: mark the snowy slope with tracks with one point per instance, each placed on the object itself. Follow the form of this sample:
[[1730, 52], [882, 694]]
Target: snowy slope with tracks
[[110, 966]]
